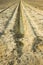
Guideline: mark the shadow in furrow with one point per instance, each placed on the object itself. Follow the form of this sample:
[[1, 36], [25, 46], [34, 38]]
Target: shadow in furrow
[[18, 35]]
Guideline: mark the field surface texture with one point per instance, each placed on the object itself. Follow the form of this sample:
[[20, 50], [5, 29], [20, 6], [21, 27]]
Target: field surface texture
[[21, 32]]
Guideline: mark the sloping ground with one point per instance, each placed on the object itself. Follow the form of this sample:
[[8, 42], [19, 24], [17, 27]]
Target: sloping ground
[[36, 3], [21, 35], [6, 3]]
